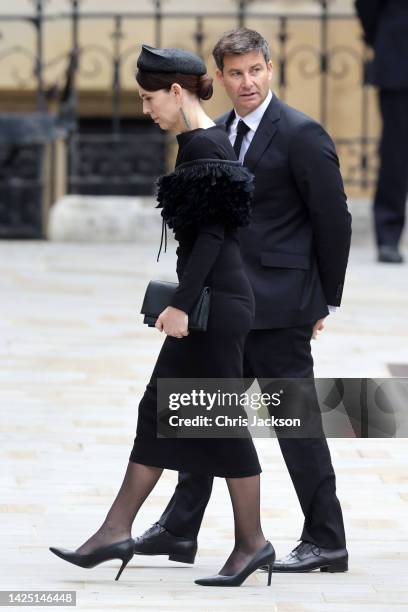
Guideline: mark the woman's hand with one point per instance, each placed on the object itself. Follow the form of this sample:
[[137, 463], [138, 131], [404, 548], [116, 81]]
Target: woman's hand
[[173, 321]]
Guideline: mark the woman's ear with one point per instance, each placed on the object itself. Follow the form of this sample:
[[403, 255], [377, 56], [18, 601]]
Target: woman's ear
[[177, 91]]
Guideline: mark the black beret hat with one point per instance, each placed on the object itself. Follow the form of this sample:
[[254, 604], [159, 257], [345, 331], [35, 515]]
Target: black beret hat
[[170, 60]]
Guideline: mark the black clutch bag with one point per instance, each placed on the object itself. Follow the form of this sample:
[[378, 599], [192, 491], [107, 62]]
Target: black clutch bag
[[158, 296]]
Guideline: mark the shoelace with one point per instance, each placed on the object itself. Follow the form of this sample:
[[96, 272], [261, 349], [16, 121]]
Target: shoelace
[[147, 532], [302, 545], [163, 234]]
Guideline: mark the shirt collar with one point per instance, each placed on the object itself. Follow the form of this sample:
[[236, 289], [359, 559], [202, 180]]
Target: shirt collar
[[253, 119]]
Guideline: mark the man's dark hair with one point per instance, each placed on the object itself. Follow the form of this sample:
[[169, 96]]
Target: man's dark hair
[[238, 42]]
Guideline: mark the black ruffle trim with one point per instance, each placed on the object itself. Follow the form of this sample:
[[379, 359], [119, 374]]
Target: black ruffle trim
[[206, 191]]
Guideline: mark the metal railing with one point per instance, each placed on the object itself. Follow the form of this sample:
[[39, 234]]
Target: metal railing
[[324, 61]]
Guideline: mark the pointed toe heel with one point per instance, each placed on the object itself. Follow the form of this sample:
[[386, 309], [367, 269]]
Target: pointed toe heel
[[265, 556], [123, 550]]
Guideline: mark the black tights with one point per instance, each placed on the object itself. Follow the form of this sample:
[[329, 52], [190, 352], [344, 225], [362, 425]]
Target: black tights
[[138, 483]]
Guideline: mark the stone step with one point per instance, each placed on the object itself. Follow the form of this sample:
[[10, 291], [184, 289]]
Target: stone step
[[83, 218]]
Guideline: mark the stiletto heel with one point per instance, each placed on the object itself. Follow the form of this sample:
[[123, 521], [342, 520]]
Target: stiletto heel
[[119, 550], [124, 564], [265, 556], [270, 566]]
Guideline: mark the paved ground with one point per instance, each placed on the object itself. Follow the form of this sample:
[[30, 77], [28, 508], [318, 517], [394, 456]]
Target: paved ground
[[74, 359]]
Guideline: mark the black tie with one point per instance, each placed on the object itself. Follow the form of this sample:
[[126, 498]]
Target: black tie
[[242, 129]]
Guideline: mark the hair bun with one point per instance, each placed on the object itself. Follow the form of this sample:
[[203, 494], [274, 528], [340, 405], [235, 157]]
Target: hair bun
[[205, 87]]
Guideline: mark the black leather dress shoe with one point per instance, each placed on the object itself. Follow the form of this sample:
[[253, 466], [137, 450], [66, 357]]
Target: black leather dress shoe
[[389, 254], [158, 541], [307, 557]]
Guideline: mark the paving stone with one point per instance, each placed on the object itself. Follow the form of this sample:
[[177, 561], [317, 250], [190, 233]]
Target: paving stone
[[74, 361]]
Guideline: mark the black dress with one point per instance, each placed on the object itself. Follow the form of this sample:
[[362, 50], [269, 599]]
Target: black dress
[[204, 200]]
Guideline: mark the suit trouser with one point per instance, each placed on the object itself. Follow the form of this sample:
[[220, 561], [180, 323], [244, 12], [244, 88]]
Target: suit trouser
[[275, 353], [392, 184]]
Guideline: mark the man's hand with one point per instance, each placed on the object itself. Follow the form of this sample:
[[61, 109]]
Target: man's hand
[[318, 326], [173, 321]]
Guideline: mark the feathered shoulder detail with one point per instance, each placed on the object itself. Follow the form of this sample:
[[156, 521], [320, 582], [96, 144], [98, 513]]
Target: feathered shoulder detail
[[206, 191]]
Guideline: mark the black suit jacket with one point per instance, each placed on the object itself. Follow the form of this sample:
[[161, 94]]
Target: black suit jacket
[[385, 25], [297, 245]]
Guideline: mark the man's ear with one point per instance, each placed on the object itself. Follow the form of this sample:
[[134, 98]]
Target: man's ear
[[270, 70], [220, 77]]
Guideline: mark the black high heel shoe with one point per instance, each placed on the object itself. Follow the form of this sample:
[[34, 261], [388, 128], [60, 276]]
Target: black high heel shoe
[[265, 556], [119, 550]]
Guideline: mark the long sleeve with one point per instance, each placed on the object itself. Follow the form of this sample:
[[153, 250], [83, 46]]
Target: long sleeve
[[315, 168], [206, 195], [369, 13], [201, 260]]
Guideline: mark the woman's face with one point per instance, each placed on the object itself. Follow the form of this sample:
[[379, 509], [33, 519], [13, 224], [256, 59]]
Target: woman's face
[[163, 106]]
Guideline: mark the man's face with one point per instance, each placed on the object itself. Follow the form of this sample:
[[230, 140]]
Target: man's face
[[246, 79]]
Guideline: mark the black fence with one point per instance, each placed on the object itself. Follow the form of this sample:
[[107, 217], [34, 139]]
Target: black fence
[[124, 155]]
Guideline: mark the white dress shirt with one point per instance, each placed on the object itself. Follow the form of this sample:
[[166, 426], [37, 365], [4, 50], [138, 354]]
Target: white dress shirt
[[252, 120]]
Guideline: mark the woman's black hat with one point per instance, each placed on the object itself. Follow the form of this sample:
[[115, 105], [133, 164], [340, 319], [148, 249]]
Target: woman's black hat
[[170, 60]]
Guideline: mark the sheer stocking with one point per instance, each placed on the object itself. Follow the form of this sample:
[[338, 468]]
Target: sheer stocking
[[249, 538], [137, 484]]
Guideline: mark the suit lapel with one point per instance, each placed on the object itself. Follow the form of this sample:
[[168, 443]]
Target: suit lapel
[[265, 132], [226, 118], [263, 135]]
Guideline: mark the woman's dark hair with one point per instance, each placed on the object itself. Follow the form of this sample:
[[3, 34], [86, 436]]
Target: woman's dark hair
[[201, 86]]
